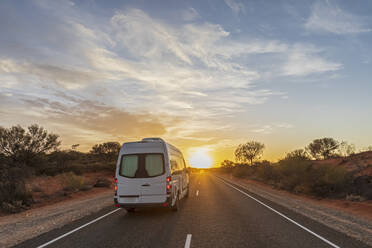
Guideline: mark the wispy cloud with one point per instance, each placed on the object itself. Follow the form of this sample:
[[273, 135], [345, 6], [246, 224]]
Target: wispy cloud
[[236, 6], [270, 128], [71, 115], [190, 14], [328, 17], [304, 60]]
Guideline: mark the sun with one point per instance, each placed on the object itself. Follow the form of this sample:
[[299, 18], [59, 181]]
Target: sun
[[200, 158]]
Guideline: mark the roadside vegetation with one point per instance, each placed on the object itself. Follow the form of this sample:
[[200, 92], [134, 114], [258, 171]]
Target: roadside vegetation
[[26, 154], [324, 168]]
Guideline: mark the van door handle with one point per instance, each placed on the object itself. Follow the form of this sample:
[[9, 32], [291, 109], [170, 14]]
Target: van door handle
[[146, 185]]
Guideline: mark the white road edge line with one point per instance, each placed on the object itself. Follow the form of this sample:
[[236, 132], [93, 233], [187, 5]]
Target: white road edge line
[[284, 216], [197, 193], [76, 229], [188, 241]]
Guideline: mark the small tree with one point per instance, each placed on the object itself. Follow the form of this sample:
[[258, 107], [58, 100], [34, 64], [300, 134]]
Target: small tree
[[299, 154], [323, 148], [249, 151], [368, 149], [345, 149], [74, 147], [107, 151], [22, 146], [227, 164]]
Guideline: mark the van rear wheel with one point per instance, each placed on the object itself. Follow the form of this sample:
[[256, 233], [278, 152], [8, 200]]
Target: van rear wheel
[[130, 210], [176, 205], [188, 191]]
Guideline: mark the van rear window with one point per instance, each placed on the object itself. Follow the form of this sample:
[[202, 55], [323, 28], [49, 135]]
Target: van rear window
[[141, 165]]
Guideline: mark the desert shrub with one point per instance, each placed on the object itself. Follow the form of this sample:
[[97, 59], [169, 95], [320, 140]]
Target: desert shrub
[[106, 151], [328, 180], [14, 196], [301, 176], [323, 148], [243, 170], [299, 154], [227, 166], [292, 173], [59, 162], [102, 182], [249, 151], [357, 198], [36, 188], [267, 173], [71, 181], [86, 187], [362, 185], [239, 172], [27, 147]]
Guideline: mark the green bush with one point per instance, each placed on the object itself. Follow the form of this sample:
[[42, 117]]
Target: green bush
[[72, 182], [267, 173], [240, 172], [362, 185], [301, 176], [328, 180], [14, 196], [27, 147], [293, 172]]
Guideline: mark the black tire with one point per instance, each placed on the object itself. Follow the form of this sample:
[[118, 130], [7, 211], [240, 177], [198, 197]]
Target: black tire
[[188, 191], [130, 210], [176, 205]]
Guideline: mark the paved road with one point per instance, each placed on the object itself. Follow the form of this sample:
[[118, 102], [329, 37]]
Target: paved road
[[215, 214]]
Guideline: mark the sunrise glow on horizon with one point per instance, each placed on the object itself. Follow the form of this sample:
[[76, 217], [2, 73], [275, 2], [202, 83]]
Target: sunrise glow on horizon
[[200, 158]]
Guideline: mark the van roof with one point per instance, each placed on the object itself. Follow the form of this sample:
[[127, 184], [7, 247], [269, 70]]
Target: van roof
[[154, 140]]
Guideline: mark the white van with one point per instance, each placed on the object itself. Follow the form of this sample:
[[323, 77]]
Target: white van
[[150, 173]]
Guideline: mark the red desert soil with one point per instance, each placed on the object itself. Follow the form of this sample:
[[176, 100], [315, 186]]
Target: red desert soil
[[361, 209], [360, 164], [51, 188]]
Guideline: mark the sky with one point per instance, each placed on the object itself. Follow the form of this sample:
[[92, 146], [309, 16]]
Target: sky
[[204, 75]]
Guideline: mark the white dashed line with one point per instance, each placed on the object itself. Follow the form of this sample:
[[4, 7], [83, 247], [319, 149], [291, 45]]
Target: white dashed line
[[188, 241], [78, 228]]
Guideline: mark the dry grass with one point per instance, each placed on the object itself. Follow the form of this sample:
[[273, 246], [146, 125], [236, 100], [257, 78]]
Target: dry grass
[[70, 181]]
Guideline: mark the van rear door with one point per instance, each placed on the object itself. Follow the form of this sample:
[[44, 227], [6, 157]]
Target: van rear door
[[129, 188], [142, 178], [154, 188]]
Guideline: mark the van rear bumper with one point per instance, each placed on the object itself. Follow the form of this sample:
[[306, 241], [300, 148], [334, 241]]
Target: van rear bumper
[[167, 202], [141, 205]]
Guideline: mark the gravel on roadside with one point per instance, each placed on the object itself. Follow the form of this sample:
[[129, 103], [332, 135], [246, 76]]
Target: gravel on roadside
[[17, 228], [351, 225]]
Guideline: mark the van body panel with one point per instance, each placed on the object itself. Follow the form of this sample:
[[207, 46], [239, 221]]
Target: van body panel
[[154, 186], [128, 186], [153, 198], [142, 189], [129, 200]]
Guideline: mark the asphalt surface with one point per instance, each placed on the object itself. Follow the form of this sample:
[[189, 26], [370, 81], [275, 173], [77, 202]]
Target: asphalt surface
[[215, 215]]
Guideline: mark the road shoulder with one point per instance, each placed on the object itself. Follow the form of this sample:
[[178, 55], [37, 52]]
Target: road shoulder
[[355, 226], [17, 228]]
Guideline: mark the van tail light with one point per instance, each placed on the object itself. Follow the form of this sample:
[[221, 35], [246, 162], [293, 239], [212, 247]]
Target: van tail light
[[116, 186], [169, 185]]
